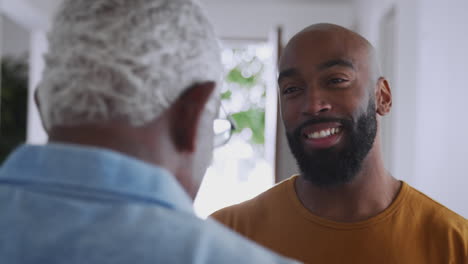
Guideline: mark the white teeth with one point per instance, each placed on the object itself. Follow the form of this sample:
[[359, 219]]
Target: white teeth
[[324, 133]]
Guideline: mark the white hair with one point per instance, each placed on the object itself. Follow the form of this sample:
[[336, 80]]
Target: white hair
[[124, 60]]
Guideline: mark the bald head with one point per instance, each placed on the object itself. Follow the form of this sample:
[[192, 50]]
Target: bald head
[[332, 28], [339, 40]]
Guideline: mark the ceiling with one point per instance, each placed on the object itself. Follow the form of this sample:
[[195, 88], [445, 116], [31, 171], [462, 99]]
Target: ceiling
[[285, 1], [37, 13]]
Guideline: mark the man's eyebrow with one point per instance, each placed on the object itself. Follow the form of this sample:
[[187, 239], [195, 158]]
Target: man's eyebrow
[[287, 73], [336, 62]]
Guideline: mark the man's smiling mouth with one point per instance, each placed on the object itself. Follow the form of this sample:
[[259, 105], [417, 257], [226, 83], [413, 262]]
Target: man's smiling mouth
[[323, 133]]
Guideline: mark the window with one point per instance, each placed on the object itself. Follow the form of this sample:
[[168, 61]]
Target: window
[[239, 170]]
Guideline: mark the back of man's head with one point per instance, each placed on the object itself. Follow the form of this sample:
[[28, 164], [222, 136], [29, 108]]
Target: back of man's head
[[124, 60], [136, 77]]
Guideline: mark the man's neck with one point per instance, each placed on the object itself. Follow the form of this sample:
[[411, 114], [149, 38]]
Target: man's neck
[[371, 192], [140, 143]]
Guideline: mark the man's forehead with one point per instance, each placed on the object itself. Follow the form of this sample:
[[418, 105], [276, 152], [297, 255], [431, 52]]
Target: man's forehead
[[330, 32], [318, 48]]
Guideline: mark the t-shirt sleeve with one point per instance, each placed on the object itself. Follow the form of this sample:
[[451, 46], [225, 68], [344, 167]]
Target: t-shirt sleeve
[[225, 216]]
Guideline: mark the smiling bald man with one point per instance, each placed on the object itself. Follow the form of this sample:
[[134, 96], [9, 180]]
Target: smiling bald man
[[344, 207]]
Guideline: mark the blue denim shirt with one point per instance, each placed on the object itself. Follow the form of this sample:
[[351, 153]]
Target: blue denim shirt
[[71, 204]]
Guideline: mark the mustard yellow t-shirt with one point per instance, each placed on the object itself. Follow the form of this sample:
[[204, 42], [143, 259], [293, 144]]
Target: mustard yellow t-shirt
[[413, 229]]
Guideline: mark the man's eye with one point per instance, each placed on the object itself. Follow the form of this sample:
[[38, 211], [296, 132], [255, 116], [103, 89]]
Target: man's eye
[[337, 81], [291, 89]]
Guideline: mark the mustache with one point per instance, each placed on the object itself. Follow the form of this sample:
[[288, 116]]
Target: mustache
[[346, 123]]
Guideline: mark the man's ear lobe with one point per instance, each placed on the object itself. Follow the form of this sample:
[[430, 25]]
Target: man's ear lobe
[[383, 97], [186, 113]]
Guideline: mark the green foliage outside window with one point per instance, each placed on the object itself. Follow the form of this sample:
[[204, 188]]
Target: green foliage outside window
[[246, 77]]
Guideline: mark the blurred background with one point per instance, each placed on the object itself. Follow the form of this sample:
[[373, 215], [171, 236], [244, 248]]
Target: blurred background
[[423, 51]]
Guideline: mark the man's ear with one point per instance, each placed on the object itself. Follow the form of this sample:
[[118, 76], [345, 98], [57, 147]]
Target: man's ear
[[186, 113], [383, 97]]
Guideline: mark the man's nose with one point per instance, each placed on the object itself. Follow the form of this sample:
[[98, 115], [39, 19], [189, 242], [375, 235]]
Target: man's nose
[[315, 103]]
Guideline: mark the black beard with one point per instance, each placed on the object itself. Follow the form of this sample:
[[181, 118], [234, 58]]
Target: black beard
[[330, 167]]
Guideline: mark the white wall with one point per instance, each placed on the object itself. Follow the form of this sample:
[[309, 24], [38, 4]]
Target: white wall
[[442, 128], [429, 94], [27, 13], [14, 38], [255, 19], [405, 88], [457, 194]]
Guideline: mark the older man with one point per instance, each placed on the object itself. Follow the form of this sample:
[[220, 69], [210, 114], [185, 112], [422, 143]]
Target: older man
[[128, 99], [344, 207]]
